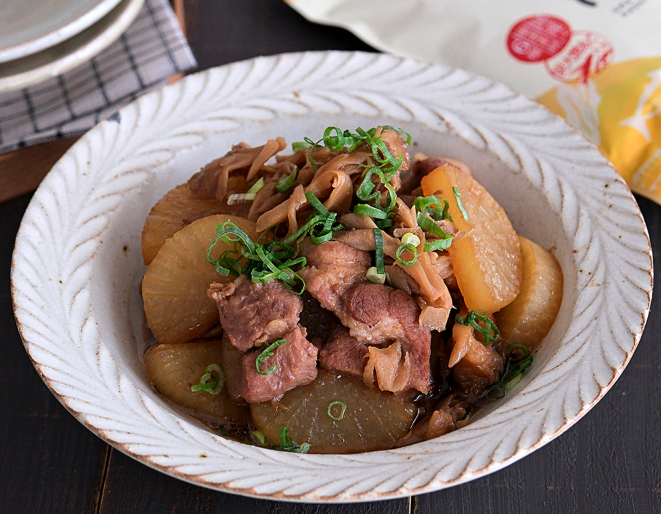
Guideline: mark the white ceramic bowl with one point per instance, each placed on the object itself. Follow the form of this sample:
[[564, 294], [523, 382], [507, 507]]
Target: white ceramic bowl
[[77, 263]]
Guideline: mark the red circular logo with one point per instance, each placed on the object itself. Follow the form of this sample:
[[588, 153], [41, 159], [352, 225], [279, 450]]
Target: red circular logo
[[538, 38]]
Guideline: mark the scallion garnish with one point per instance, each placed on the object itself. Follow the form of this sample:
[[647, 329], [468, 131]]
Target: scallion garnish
[[311, 146], [378, 243], [439, 244], [256, 187], [374, 276], [435, 206], [489, 330], [320, 227], [299, 145], [316, 204], [260, 262], [285, 182], [329, 410], [387, 166], [460, 204], [514, 367], [240, 197], [208, 383], [223, 431], [411, 249], [410, 239], [257, 438], [268, 353], [287, 445], [367, 210], [429, 225], [335, 143]]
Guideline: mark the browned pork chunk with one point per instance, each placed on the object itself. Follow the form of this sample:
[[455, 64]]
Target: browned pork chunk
[[344, 354], [255, 314], [295, 365], [373, 313], [377, 314], [334, 267]]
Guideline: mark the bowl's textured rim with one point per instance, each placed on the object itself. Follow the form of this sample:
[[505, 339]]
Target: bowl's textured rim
[[73, 206]]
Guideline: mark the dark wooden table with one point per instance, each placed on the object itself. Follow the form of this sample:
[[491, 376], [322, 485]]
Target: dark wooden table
[[49, 463]]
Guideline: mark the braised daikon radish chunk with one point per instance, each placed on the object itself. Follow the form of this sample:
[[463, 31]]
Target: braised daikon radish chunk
[[175, 368], [174, 290], [177, 209], [529, 318], [169, 216], [336, 414], [487, 259]]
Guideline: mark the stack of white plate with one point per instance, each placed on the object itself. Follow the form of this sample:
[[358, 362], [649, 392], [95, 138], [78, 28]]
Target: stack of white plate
[[44, 38]]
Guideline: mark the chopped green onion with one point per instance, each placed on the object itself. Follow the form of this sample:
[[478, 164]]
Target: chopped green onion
[[320, 233], [299, 145], [435, 206], [374, 276], [343, 409], [383, 223], [256, 187], [257, 438], [335, 143], [489, 331], [311, 146], [268, 353], [285, 182], [368, 210], [229, 233], [429, 225], [410, 248], [261, 262], [207, 382], [410, 239], [240, 197], [438, 244], [223, 431], [460, 204], [365, 191], [320, 227], [287, 445], [378, 242], [316, 204]]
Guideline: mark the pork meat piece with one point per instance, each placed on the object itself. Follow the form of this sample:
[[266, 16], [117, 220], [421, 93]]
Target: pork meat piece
[[332, 268], [376, 314], [344, 354], [255, 314], [295, 365]]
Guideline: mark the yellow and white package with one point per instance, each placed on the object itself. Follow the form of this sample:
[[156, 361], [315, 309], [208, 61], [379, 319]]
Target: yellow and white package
[[597, 63]]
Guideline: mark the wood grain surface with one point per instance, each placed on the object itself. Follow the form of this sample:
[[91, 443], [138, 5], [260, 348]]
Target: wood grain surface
[[610, 462]]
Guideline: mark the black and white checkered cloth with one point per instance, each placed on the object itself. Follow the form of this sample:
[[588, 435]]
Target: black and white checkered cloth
[[151, 49]]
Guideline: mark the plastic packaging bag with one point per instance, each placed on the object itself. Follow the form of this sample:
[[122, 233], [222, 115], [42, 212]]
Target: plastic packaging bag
[[597, 63]]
